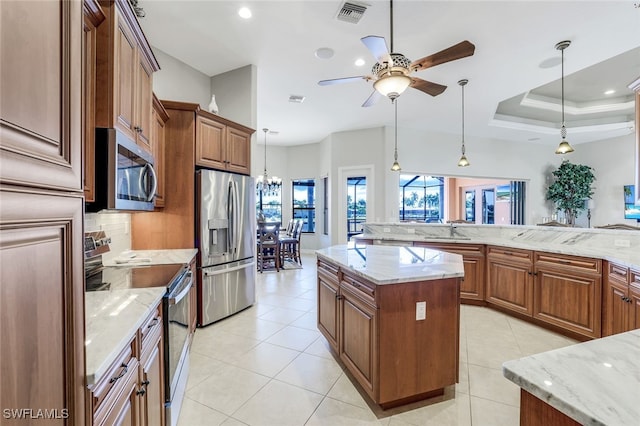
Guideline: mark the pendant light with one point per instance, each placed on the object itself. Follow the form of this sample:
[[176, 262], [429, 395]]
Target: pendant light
[[463, 159], [268, 186], [395, 167], [564, 147]]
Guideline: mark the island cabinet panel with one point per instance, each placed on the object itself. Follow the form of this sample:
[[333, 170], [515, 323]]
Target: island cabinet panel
[[509, 279], [535, 412], [328, 304], [473, 256]]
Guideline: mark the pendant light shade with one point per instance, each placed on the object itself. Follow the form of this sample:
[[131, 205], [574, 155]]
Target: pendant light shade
[[564, 147], [395, 167], [463, 159], [265, 184]]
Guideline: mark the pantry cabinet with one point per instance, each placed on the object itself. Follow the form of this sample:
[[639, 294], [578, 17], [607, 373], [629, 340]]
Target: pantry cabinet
[[124, 70], [42, 363], [568, 292], [510, 279]]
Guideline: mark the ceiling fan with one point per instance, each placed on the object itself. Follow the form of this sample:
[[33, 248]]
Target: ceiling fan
[[391, 74]]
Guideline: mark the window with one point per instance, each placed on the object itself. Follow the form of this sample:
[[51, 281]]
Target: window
[[325, 218], [270, 204], [356, 205], [421, 198], [304, 198]]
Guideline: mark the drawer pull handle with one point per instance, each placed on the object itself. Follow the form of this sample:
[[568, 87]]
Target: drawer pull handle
[[508, 253], [153, 322], [564, 262], [125, 368]]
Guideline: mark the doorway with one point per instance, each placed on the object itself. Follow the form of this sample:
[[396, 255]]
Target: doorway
[[353, 208], [356, 204]]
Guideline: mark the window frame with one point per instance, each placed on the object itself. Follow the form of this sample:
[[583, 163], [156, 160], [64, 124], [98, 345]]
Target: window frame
[[309, 218]]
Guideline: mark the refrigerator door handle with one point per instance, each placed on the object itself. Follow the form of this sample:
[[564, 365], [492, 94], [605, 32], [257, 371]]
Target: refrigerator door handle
[[231, 224], [225, 271], [237, 233]]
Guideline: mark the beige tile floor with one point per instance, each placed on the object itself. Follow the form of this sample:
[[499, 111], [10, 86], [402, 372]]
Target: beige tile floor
[[269, 365]]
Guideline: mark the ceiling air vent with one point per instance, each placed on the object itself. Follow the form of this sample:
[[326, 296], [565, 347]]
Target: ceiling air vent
[[296, 99], [351, 12]]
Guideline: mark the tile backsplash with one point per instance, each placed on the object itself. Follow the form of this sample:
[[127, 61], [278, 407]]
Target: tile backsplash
[[117, 226]]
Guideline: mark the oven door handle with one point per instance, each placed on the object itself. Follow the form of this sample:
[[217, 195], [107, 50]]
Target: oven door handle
[[173, 299]]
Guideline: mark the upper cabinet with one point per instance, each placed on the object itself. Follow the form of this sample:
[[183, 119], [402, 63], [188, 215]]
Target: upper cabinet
[[222, 144], [636, 87], [159, 118], [124, 71]]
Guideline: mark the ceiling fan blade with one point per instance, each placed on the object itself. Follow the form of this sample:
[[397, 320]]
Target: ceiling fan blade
[[433, 89], [372, 99], [342, 80], [458, 51], [378, 47]]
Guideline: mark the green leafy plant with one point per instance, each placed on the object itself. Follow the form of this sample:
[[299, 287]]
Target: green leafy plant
[[572, 186]]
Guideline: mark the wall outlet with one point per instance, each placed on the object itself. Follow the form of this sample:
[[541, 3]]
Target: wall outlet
[[411, 231], [386, 229], [421, 311], [621, 243]]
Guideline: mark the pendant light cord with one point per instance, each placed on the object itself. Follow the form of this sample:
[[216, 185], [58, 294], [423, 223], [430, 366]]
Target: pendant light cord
[[463, 119], [391, 22], [562, 85], [395, 154], [265, 153]]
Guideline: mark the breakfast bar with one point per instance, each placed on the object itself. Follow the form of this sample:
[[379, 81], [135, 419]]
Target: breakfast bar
[[391, 315]]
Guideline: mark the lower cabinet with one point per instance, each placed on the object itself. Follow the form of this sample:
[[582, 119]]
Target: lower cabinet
[[568, 292], [510, 279], [621, 299], [373, 329], [131, 392]]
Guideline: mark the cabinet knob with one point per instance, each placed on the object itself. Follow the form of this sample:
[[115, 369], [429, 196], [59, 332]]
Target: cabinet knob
[[141, 392]]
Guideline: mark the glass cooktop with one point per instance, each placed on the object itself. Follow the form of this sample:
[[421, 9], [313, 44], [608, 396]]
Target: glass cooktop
[[124, 277]]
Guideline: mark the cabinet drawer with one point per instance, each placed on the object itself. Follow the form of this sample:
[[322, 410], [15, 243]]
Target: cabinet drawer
[[618, 273], [151, 324], [634, 278], [511, 253], [364, 290], [328, 268], [463, 249], [110, 383], [583, 264]]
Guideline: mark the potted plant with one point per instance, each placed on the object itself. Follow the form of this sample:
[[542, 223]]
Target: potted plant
[[572, 186]]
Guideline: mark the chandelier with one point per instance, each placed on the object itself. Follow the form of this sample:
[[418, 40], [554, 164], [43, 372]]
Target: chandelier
[[265, 184]]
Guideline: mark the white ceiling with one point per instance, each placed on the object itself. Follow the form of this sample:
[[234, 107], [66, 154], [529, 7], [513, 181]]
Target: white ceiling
[[515, 59]]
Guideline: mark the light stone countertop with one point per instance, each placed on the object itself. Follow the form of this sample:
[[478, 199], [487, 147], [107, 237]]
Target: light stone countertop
[[594, 383], [112, 317], [391, 265], [619, 246], [153, 257]]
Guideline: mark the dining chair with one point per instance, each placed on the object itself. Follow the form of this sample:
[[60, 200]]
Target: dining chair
[[268, 249], [290, 245]]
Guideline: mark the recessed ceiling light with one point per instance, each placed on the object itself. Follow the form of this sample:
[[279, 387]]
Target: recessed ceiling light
[[244, 12], [324, 53], [609, 92], [359, 62]]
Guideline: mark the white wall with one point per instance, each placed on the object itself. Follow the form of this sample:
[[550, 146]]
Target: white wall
[[236, 95], [177, 81]]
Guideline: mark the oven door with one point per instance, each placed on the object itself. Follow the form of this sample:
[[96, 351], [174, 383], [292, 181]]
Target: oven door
[[176, 321]]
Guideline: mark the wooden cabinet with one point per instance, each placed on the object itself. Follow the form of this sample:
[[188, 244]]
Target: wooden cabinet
[[41, 211], [124, 67], [159, 117], [621, 299], [222, 144], [395, 358], [568, 292], [174, 226], [510, 279], [131, 392], [473, 257]]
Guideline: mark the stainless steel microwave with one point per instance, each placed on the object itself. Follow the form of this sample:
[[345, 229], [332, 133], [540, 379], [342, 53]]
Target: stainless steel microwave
[[124, 174]]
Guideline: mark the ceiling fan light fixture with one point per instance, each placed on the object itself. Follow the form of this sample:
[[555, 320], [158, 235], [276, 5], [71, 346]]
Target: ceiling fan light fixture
[[392, 85]]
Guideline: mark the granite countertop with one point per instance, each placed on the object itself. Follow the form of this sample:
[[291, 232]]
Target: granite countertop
[[112, 317], [619, 246], [594, 383], [391, 265]]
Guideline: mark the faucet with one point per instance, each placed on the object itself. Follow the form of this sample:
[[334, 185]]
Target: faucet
[[452, 229]]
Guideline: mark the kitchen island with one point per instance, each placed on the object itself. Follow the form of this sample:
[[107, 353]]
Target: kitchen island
[[591, 383], [391, 315]]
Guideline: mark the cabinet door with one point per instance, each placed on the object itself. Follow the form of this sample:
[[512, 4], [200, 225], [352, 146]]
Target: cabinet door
[[472, 284], [616, 309], [238, 151], [152, 407], [144, 82], [634, 309], [42, 304], [124, 76], [210, 144], [126, 410], [41, 100], [358, 340], [509, 285], [328, 308], [158, 144]]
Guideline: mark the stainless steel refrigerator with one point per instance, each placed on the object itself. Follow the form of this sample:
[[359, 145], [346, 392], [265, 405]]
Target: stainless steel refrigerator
[[226, 239]]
